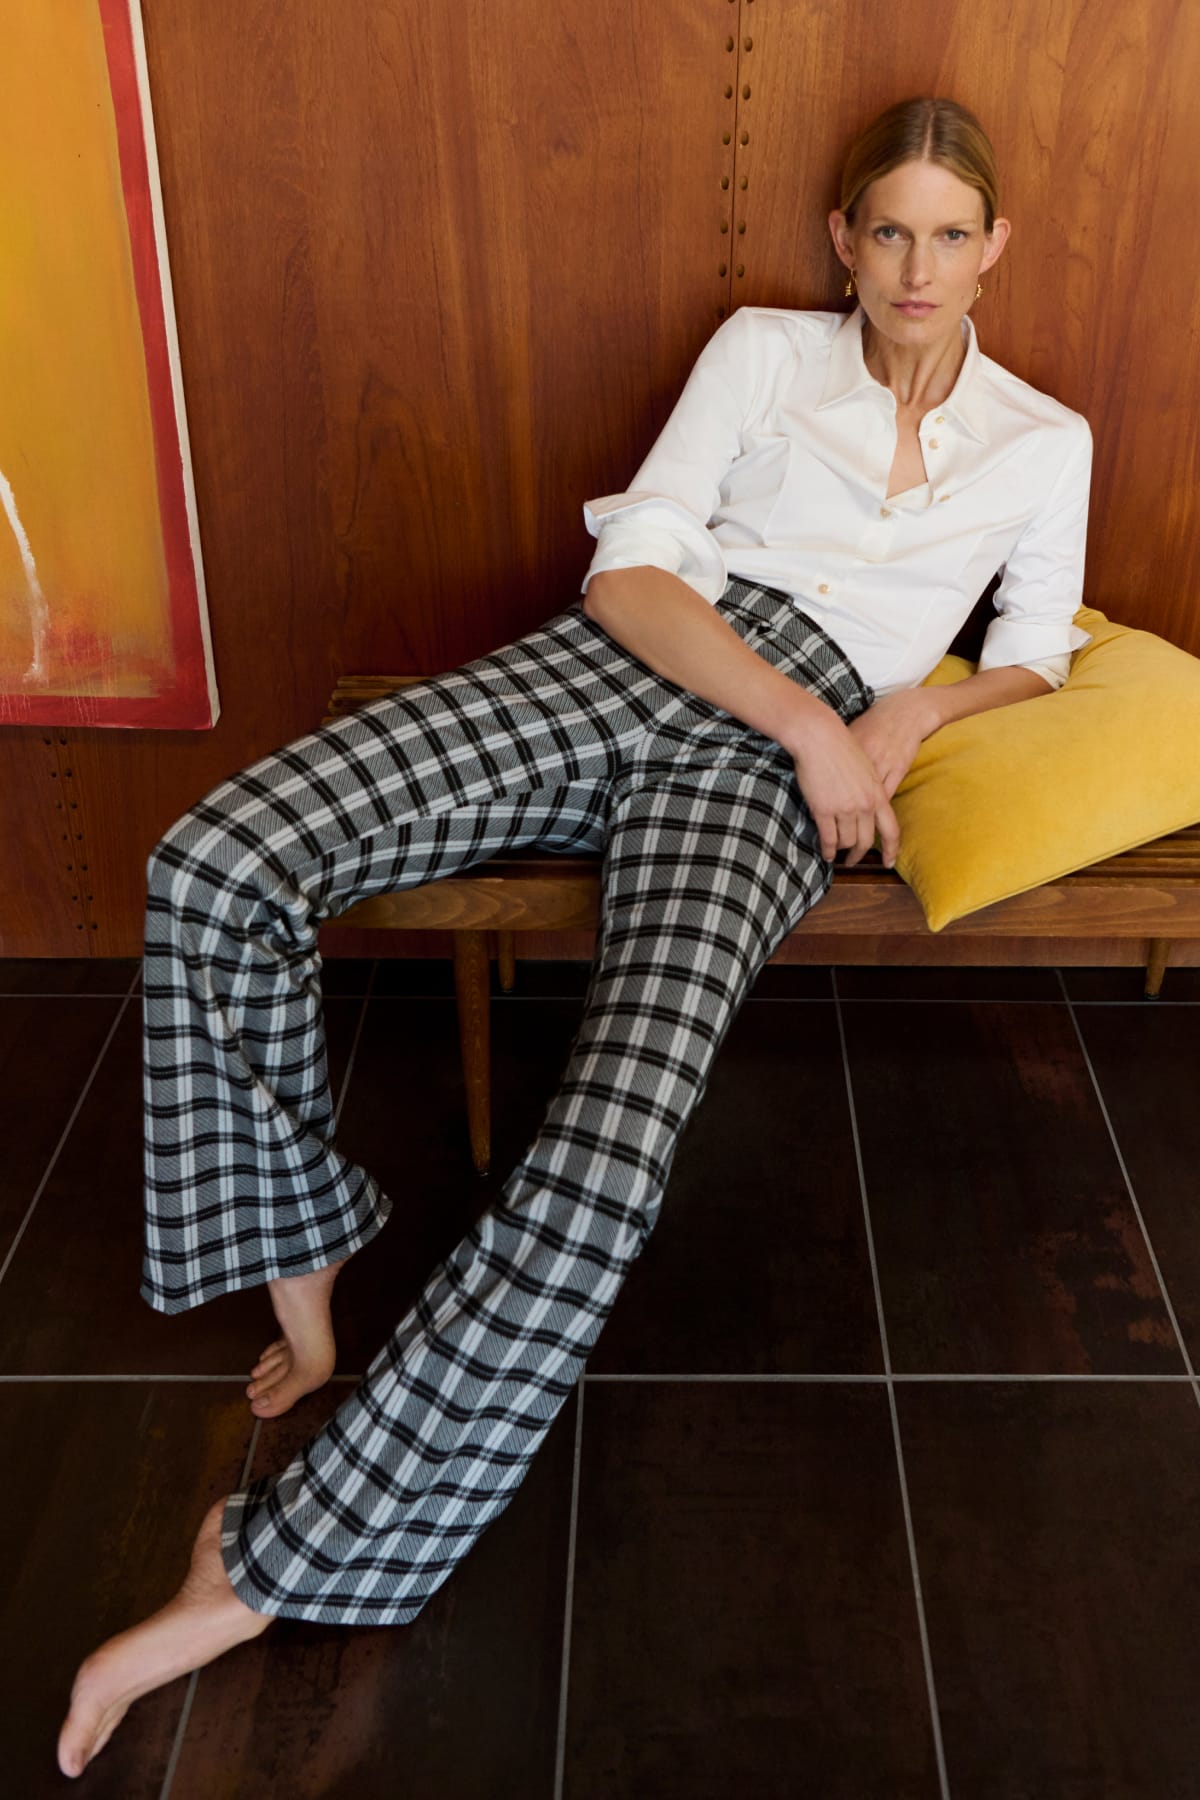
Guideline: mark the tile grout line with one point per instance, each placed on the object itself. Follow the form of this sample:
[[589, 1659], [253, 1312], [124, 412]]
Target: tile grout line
[[1183, 1349], [824, 1000], [27, 994], [358, 1031], [747, 1377], [832, 1379], [147, 1375], [560, 1746], [194, 1679], [926, 1654], [68, 1127]]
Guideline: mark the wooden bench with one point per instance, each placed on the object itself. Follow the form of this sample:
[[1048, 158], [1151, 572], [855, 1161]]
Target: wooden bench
[[1150, 894]]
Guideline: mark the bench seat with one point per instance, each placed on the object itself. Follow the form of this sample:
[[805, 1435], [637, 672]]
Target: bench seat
[[1151, 893]]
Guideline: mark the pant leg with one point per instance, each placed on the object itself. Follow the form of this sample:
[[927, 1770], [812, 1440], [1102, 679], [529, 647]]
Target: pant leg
[[712, 858], [243, 1182]]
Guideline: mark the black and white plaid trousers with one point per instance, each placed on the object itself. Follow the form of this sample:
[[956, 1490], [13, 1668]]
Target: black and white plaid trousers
[[562, 740]]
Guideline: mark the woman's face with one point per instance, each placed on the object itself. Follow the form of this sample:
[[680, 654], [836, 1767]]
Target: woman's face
[[917, 247]]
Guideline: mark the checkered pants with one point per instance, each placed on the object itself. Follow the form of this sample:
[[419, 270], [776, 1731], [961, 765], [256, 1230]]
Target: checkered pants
[[565, 741]]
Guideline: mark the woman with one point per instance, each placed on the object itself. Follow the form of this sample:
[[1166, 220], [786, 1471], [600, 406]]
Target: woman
[[735, 702]]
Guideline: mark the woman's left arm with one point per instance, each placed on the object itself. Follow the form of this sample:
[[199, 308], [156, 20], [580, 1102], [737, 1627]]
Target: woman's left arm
[[1041, 590], [891, 731]]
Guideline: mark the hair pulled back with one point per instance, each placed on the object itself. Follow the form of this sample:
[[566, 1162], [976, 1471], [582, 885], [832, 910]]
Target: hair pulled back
[[939, 131]]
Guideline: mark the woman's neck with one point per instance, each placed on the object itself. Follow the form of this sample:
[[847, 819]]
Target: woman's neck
[[920, 376]]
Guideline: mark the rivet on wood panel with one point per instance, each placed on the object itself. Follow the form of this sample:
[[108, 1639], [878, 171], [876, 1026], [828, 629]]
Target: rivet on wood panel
[[746, 92], [724, 226], [745, 140], [729, 43], [724, 181], [743, 183], [728, 91], [741, 268], [724, 137], [747, 43], [724, 269], [742, 229], [720, 312]]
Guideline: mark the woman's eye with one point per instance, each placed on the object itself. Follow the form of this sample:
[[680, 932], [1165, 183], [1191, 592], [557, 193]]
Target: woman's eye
[[955, 235], [886, 233]]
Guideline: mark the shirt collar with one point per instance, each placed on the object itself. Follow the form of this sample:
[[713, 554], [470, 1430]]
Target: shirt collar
[[848, 376]]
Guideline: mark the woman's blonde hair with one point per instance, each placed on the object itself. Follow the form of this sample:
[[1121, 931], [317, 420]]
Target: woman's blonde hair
[[939, 131]]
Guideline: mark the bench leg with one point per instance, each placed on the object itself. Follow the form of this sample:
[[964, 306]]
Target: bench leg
[[1156, 966], [506, 957], [471, 984]]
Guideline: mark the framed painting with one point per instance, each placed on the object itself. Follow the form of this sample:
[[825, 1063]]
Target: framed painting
[[102, 608]]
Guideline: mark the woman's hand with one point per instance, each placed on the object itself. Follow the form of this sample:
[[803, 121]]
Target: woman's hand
[[890, 733], [843, 792]]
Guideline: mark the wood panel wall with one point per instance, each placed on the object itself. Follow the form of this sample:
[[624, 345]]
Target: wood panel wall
[[441, 270]]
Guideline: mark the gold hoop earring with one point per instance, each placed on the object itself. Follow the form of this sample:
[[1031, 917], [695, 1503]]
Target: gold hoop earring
[[978, 289], [849, 287]]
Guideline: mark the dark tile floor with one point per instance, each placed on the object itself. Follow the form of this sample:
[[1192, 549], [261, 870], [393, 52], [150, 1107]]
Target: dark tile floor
[[883, 1478]]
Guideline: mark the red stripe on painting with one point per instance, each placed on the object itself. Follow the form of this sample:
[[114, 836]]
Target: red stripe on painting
[[186, 705]]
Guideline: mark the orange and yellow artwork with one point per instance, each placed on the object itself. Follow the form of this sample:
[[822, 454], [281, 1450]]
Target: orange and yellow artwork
[[102, 608]]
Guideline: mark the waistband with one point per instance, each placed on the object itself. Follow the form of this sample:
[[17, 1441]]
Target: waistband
[[777, 611]]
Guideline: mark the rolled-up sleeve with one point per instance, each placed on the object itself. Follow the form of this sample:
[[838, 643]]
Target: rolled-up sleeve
[[1042, 586], [662, 520]]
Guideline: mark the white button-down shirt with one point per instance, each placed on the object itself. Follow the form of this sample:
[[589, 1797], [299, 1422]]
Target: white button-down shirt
[[774, 467]]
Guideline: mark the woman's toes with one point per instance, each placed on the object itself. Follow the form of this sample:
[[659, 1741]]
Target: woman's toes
[[266, 1406], [266, 1384]]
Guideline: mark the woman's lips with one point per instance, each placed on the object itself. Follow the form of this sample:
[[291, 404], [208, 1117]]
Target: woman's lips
[[914, 309]]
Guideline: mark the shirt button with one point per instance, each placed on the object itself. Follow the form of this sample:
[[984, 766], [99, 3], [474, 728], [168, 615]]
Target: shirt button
[[943, 497], [933, 443], [885, 512], [824, 588], [940, 420]]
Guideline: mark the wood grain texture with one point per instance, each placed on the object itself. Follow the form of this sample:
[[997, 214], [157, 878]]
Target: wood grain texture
[[440, 273], [1087, 104], [42, 833], [862, 949]]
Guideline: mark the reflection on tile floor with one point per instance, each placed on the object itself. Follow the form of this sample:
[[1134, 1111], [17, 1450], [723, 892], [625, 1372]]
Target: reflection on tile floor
[[745, 1562]]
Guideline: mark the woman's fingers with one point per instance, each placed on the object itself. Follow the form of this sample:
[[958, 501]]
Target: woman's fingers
[[855, 832], [889, 832]]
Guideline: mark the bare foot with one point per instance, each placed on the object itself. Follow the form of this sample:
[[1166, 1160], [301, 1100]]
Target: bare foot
[[205, 1619], [303, 1358]]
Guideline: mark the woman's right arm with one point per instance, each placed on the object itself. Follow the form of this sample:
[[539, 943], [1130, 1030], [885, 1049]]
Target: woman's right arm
[[669, 627]]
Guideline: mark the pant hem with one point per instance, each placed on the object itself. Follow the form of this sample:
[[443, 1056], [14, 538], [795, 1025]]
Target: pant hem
[[210, 1287]]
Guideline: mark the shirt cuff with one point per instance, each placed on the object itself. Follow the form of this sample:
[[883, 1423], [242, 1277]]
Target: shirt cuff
[[1053, 669], [1029, 641], [634, 530]]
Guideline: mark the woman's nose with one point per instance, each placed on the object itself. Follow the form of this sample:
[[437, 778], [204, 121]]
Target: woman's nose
[[917, 268]]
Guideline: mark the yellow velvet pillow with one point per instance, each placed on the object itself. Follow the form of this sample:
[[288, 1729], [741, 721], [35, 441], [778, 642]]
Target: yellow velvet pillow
[[1002, 801]]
